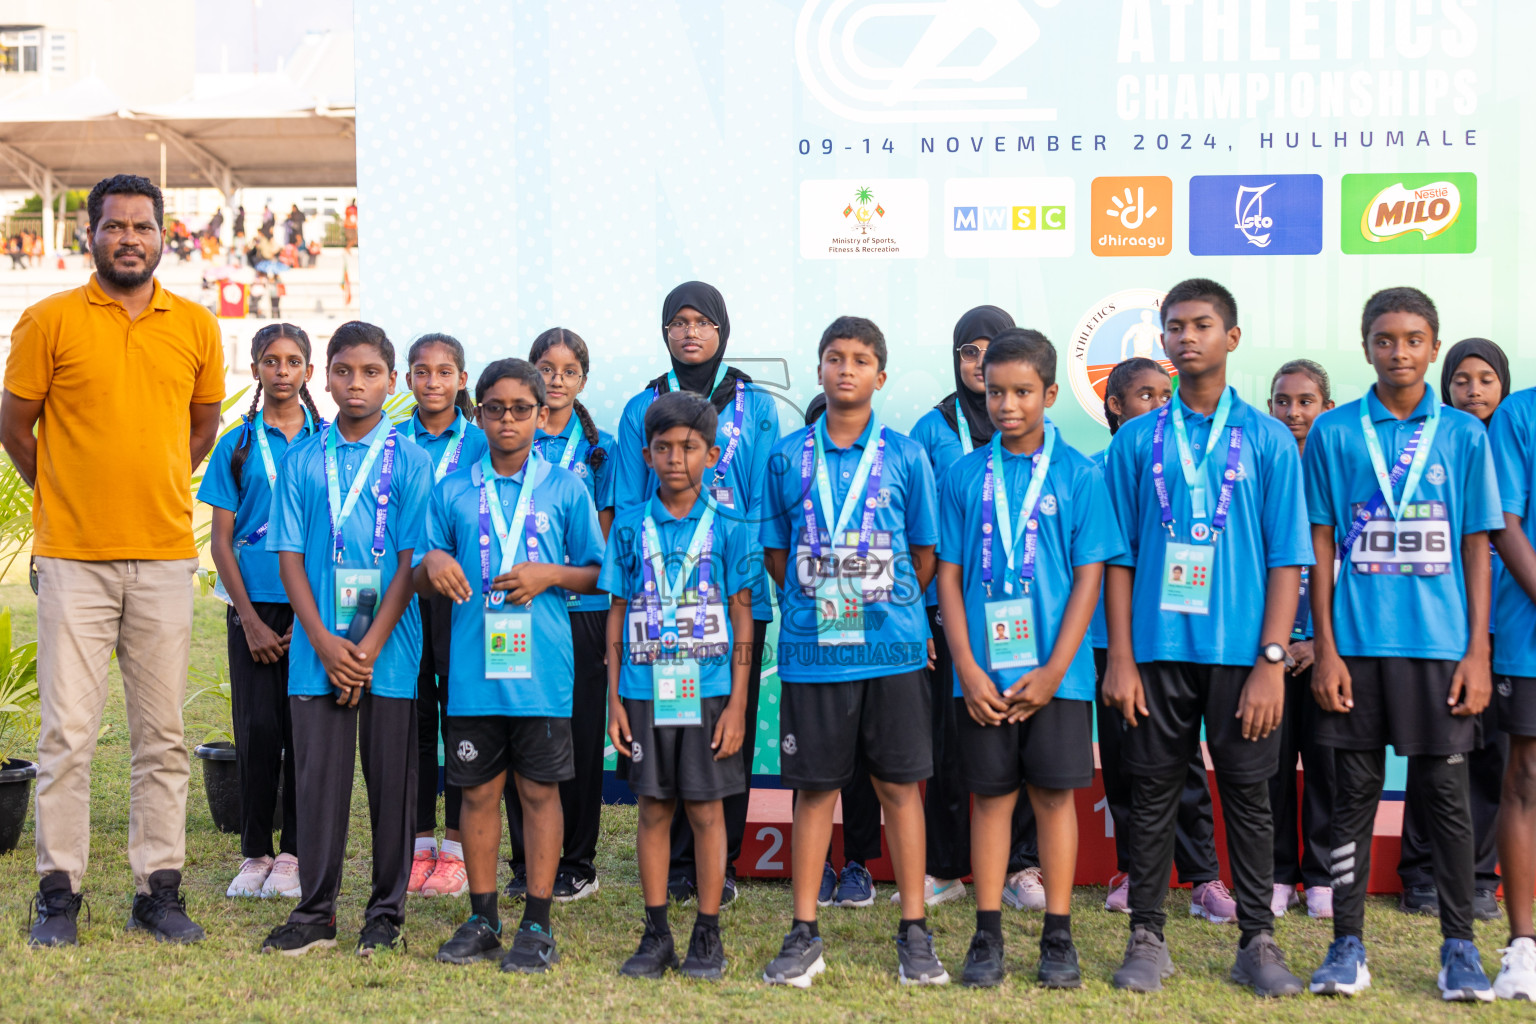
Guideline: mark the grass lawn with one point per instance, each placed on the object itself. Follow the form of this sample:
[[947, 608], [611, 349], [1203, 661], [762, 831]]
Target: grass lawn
[[117, 976]]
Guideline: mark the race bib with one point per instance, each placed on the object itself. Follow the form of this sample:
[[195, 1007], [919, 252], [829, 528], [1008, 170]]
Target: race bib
[[713, 645], [508, 644], [872, 578], [675, 692], [1187, 573], [349, 584], [1011, 635], [1419, 544]]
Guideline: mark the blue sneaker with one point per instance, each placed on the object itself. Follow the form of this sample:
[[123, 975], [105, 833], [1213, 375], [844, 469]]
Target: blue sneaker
[[855, 888], [828, 885], [1343, 972], [1461, 973]]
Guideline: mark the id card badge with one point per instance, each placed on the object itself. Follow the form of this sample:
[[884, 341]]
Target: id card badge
[[839, 615], [675, 692], [723, 496], [508, 644], [1187, 571], [350, 583], [1011, 635]]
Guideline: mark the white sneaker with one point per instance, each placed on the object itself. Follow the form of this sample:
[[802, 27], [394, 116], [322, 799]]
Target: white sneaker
[[253, 874], [937, 890], [1025, 890], [1282, 899], [1320, 901], [284, 879], [1517, 976]]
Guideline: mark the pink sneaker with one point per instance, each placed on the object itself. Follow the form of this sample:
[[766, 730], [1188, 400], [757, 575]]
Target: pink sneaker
[[421, 868], [449, 878], [284, 879], [1213, 901], [1320, 901], [1119, 899], [1282, 899]]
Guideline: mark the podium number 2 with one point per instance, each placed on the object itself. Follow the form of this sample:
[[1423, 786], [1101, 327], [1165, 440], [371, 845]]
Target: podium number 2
[[775, 840]]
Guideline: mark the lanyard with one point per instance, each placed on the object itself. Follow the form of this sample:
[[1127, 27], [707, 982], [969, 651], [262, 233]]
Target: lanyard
[[963, 427], [1194, 472], [450, 458], [572, 438], [673, 385], [524, 519], [996, 482], [259, 427], [383, 441], [724, 464], [871, 466], [1410, 463], [662, 597]]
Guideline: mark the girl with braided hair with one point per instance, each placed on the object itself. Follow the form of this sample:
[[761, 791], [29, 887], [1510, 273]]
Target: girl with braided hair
[[260, 620]]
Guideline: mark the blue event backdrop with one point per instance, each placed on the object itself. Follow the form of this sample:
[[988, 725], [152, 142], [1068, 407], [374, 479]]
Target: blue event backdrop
[[530, 164]]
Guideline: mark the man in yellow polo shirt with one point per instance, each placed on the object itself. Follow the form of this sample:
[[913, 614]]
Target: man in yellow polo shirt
[[123, 381]]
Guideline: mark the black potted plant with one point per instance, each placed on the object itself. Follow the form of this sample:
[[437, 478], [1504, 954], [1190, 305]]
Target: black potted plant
[[19, 719], [217, 752]]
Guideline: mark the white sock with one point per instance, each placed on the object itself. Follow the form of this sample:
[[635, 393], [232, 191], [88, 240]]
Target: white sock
[[427, 843], [453, 847]]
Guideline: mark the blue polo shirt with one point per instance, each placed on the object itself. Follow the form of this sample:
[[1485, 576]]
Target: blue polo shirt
[[250, 501], [906, 516], [599, 484], [437, 445], [1074, 530], [1512, 438], [568, 535], [634, 482], [1266, 529], [733, 567], [301, 523], [1377, 615], [942, 445], [1098, 629]]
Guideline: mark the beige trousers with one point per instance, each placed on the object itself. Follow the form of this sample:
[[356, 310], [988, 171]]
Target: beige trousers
[[85, 611]]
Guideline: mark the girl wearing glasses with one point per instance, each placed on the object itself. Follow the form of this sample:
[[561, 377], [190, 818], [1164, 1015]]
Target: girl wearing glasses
[[569, 439], [695, 328]]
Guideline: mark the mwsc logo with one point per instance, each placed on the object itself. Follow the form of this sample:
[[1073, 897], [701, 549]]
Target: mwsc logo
[[1009, 218]]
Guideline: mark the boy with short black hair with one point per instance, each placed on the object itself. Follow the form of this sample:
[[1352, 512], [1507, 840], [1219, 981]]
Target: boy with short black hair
[[853, 645], [1019, 575], [1207, 491], [681, 575], [1402, 636]]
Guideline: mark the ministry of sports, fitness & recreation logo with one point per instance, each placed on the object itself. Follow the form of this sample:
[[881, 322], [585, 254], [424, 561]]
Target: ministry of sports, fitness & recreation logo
[[1117, 327]]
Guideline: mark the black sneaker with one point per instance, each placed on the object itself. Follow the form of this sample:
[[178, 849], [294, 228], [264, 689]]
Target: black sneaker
[[55, 912], [163, 910], [1146, 964], [533, 952], [799, 959], [570, 887], [474, 940], [983, 962], [1058, 963], [917, 964], [1485, 905], [706, 955], [1420, 899], [381, 935], [517, 888], [656, 953], [680, 889], [728, 892], [1261, 966], [297, 939]]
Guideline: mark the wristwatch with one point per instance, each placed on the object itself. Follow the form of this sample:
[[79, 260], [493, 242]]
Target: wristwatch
[[1273, 653]]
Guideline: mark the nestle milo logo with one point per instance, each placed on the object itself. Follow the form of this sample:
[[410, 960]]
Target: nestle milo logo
[[1411, 214]]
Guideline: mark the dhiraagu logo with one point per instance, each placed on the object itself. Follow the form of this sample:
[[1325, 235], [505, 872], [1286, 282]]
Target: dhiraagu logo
[[1001, 218], [1410, 214]]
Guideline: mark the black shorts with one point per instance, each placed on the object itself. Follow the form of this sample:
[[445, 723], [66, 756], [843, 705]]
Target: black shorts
[[477, 748], [1179, 695], [676, 762], [828, 730], [1051, 749], [1399, 701], [1515, 699]]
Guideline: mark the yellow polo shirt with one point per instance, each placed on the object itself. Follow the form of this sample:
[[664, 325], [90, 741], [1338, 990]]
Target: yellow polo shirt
[[114, 473]]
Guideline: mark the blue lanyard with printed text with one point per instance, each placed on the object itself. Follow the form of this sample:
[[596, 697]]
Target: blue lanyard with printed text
[[269, 464], [383, 441], [995, 484], [1194, 472], [661, 596], [871, 466], [1410, 462], [964, 428], [572, 437], [450, 457], [524, 520]]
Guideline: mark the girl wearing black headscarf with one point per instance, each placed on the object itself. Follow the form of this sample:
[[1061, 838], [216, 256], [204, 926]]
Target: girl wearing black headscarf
[[1474, 377], [695, 327]]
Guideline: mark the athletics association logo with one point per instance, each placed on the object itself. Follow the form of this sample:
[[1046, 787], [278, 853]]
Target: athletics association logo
[[1117, 327]]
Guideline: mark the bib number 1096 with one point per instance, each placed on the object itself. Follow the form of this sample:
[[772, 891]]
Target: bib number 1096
[[1419, 544]]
